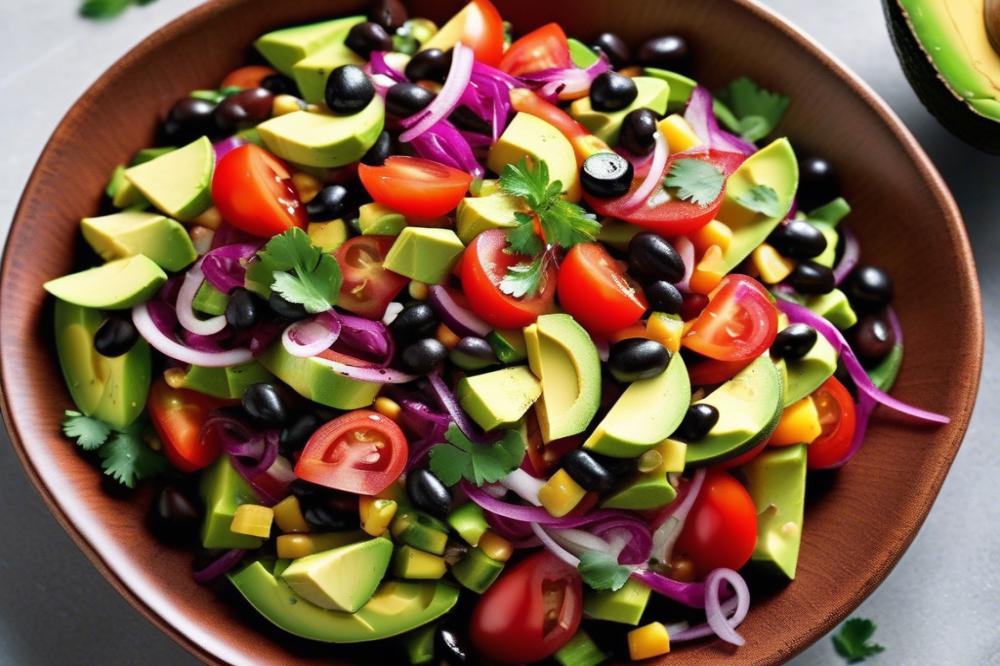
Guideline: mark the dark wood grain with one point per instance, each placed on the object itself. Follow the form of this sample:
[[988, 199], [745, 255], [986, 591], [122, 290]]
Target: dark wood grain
[[869, 512]]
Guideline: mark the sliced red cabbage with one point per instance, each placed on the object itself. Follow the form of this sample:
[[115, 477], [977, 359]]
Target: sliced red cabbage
[[459, 319], [224, 266], [852, 252], [443, 143], [701, 117], [445, 101]]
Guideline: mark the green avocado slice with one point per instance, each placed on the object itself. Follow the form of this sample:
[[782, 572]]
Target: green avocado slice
[[314, 378], [117, 285], [179, 183], [287, 46], [803, 376], [776, 480]]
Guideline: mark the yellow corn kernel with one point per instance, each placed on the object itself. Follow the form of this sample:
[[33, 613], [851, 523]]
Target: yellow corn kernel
[[713, 233], [560, 494], [211, 218], [174, 377], [307, 186], [630, 71], [316, 108], [447, 337], [283, 104], [678, 132], [773, 267], [252, 520], [799, 424], [376, 514], [672, 454], [495, 546], [387, 407], [708, 272], [201, 238], [288, 515], [328, 236], [651, 640], [418, 290], [292, 546], [650, 460], [665, 329]]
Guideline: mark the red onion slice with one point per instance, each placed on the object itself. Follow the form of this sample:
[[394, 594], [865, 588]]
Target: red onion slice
[[309, 337], [852, 253], [701, 116], [459, 319], [725, 628], [446, 100], [220, 566], [185, 299], [367, 373], [175, 350], [223, 147], [685, 248], [654, 178], [557, 550]]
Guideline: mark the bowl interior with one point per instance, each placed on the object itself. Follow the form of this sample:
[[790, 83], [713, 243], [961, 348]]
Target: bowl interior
[[858, 521]]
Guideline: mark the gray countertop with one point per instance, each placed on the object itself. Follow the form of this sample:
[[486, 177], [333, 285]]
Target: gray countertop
[[939, 606]]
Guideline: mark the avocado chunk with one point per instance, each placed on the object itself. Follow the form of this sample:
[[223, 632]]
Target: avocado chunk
[[749, 407], [117, 285], [681, 86], [499, 398], [470, 522], [834, 307], [343, 578], [322, 139], [209, 300], [311, 72], [420, 645], [508, 345], [123, 193], [179, 183], [478, 214], [618, 234], [624, 605], [222, 490], [477, 570], [130, 233], [420, 530], [374, 219], [648, 490], [315, 378], [646, 413], [395, 608], [773, 166], [113, 390], [230, 383], [653, 94], [564, 358], [582, 55], [327, 236], [283, 48], [424, 254], [776, 480], [803, 376], [410, 562], [580, 651], [885, 373], [532, 137]]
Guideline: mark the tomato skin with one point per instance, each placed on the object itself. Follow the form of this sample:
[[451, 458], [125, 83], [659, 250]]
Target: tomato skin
[[597, 292], [368, 288], [541, 49], [483, 32], [721, 530], [739, 304], [178, 416], [253, 191], [673, 216], [483, 266], [838, 416], [414, 186], [250, 76], [336, 454], [509, 622]]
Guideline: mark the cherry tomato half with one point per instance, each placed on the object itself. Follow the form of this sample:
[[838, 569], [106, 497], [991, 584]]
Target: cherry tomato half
[[178, 416], [721, 530], [530, 612], [739, 323], [710, 372], [368, 287], [414, 186], [543, 457], [250, 76], [594, 288], [360, 452], [544, 48], [477, 25], [662, 212], [253, 191], [838, 417], [484, 265]]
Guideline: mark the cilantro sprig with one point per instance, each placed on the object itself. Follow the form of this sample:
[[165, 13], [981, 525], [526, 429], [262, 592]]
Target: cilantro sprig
[[298, 270], [853, 641], [106, 9], [761, 199], [124, 455], [758, 111], [461, 458], [601, 571], [696, 180]]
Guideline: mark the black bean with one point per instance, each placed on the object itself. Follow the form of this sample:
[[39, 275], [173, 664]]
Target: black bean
[[664, 297], [612, 91], [653, 257], [817, 183], [698, 421], [326, 509], [473, 353], [405, 99], [428, 493], [614, 47], [415, 321], [808, 277], [633, 359], [189, 119], [243, 109], [328, 204], [295, 435], [464, 119], [285, 309], [243, 310], [115, 336], [175, 515], [279, 84], [586, 471], [424, 355], [798, 240], [429, 65], [367, 37], [390, 14], [638, 135], [873, 339], [869, 288], [379, 152], [794, 342], [666, 52], [606, 175], [264, 403], [348, 90]]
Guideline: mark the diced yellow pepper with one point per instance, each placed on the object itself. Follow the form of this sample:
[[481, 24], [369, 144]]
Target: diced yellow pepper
[[665, 329], [708, 273], [418, 290], [633, 331], [713, 233], [376, 514], [651, 640], [252, 520], [288, 515], [678, 132], [773, 267], [672, 454], [447, 337], [306, 186], [799, 424], [387, 407], [292, 546], [495, 546], [560, 494]]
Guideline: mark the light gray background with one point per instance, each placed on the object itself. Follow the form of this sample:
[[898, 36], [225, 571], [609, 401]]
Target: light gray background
[[940, 605]]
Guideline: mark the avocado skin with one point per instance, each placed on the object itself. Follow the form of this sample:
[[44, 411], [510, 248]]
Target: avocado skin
[[951, 112]]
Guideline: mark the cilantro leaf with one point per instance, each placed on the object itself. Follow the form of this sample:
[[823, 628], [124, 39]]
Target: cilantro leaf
[[298, 270], [601, 571], [477, 463], [759, 110], [522, 239], [565, 224], [103, 9], [761, 199], [127, 459], [88, 432], [696, 180], [852, 641], [523, 278], [531, 184]]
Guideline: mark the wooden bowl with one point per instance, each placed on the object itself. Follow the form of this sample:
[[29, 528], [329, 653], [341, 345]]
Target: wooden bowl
[[863, 517]]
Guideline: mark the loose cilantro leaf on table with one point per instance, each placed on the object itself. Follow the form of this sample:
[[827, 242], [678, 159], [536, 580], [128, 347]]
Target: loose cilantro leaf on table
[[852, 641], [298, 270], [761, 199], [758, 110], [89, 433], [601, 571], [124, 454], [477, 463], [106, 9], [696, 181]]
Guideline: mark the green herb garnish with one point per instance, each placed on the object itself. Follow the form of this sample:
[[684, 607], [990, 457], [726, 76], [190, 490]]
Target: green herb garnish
[[601, 571], [696, 180], [124, 455], [477, 463], [852, 641], [761, 199], [298, 270], [89, 433], [758, 111], [106, 9]]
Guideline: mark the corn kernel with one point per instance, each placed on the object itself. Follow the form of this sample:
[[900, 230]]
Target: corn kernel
[[630, 71], [651, 640], [447, 337], [174, 377], [292, 546], [713, 233], [665, 329], [307, 186], [678, 132], [418, 290], [773, 268], [799, 424], [495, 546], [387, 407], [708, 272], [211, 218], [315, 108], [682, 569], [560, 494], [283, 104], [376, 514], [288, 515], [252, 520]]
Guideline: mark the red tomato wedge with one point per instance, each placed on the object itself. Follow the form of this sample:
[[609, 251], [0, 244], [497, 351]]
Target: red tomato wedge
[[250, 76], [477, 25], [414, 186], [838, 417], [368, 288], [584, 143], [594, 288], [178, 416], [663, 212], [739, 323], [252, 190], [709, 371], [360, 452], [721, 529], [541, 49]]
